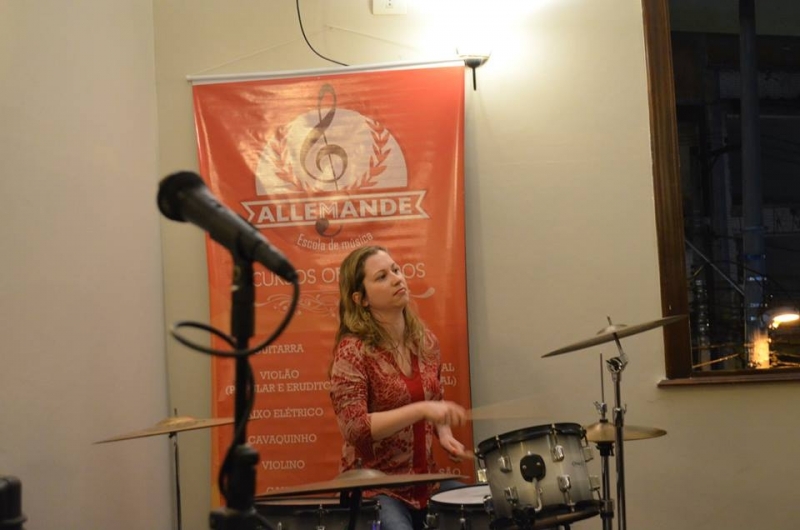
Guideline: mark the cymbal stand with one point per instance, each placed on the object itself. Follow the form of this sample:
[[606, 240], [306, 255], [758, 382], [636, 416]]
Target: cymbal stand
[[606, 449], [350, 499], [174, 437], [616, 365]]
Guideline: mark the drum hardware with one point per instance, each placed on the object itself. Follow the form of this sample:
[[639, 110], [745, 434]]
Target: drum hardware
[[172, 426], [616, 365], [606, 503], [510, 495], [564, 484], [556, 450], [532, 467], [549, 485]]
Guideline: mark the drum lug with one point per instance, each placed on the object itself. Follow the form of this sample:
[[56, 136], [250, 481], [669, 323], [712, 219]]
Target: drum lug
[[432, 520], [505, 463], [481, 476], [565, 484], [588, 454], [558, 453], [594, 482], [488, 506], [511, 495]]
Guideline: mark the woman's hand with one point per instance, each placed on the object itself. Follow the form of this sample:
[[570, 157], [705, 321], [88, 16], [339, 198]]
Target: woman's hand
[[445, 413], [455, 449]]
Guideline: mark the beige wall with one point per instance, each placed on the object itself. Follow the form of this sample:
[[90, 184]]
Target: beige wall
[[560, 233], [80, 267]]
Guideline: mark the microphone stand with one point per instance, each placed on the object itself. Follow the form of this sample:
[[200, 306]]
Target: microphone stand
[[240, 512]]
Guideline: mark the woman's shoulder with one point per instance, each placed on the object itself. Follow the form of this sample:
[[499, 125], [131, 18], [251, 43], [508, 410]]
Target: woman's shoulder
[[351, 339], [351, 345]]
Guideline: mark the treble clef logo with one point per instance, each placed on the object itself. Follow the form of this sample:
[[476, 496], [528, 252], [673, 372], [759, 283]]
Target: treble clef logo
[[329, 152]]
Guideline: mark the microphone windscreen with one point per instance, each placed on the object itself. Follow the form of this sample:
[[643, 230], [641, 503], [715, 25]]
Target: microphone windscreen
[[169, 193]]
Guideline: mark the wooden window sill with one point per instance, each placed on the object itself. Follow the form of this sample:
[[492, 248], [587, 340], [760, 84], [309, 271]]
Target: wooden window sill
[[737, 377]]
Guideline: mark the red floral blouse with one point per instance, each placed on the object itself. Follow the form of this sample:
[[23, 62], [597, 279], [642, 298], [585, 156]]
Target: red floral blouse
[[365, 380]]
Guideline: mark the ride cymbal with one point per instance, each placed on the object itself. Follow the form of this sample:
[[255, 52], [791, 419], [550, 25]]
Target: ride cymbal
[[606, 432], [616, 331], [171, 425], [360, 479]]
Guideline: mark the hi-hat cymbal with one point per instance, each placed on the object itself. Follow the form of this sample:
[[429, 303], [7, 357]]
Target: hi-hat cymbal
[[604, 431], [360, 479], [171, 425], [616, 331]]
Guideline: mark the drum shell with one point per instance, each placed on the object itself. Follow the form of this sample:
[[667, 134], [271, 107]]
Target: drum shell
[[304, 513], [545, 496]]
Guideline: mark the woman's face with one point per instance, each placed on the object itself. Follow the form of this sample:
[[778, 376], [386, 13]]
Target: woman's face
[[384, 284]]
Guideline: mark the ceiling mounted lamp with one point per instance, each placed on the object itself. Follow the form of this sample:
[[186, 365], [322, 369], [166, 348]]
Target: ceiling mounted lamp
[[781, 315]]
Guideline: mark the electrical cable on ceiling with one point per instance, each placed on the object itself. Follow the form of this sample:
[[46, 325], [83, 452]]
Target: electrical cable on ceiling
[[303, 31]]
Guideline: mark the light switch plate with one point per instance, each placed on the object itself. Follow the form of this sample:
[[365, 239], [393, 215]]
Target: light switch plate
[[389, 7]]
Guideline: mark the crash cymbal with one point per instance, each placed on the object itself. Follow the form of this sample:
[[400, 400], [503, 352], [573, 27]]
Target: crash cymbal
[[360, 479], [616, 331], [605, 431], [171, 425]]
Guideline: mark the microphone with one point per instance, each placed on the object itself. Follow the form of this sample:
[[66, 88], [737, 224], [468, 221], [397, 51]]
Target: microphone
[[184, 197]]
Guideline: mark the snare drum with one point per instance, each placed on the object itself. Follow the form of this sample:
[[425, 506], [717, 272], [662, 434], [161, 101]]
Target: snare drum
[[538, 476], [319, 513], [464, 508]]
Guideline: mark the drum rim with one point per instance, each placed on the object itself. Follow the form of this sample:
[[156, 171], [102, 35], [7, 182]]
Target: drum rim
[[557, 515], [465, 486], [526, 433]]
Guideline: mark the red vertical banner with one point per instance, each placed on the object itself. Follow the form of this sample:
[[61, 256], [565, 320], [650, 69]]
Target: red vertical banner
[[322, 164]]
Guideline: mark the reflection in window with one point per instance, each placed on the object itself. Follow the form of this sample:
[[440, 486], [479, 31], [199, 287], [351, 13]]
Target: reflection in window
[[734, 291]]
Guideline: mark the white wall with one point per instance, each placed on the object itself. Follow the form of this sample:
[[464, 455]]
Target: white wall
[[80, 268]]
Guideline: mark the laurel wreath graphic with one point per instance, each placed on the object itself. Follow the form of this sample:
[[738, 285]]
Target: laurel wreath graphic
[[283, 167], [377, 161]]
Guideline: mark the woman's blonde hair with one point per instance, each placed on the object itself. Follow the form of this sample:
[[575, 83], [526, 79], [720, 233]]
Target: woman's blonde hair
[[355, 319]]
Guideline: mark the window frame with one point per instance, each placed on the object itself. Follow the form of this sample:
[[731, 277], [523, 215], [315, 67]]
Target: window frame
[[669, 212]]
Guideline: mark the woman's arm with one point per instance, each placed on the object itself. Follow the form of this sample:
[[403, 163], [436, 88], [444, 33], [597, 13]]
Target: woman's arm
[[440, 413]]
